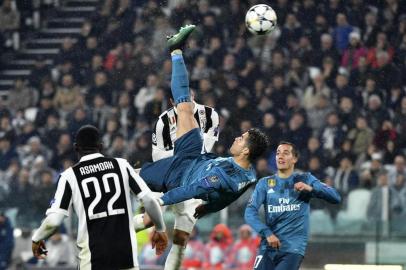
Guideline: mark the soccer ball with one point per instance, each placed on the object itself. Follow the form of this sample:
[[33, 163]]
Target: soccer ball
[[260, 19]]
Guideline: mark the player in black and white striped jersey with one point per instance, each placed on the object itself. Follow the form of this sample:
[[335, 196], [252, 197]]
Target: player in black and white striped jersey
[[98, 188], [164, 133]]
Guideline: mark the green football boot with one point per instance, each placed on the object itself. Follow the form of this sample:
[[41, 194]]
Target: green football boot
[[178, 40]]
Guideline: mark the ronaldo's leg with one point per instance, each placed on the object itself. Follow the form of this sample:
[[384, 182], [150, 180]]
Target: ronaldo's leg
[[180, 82]]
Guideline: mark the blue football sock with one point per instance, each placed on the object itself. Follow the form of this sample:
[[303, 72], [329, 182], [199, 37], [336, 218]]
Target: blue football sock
[[180, 80]]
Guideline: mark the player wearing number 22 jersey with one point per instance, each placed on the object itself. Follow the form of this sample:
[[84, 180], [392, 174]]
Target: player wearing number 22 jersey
[[98, 189]]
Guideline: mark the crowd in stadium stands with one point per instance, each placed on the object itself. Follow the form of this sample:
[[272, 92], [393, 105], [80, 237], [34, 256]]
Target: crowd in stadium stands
[[330, 79]]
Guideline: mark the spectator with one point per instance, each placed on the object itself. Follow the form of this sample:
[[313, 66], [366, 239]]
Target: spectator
[[342, 89], [298, 132], [304, 50], [291, 32], [242, 52], [62, 151], [155, 107], [218, 247], [126, 113], [7, 153], [315, 167], [7, 129], [386, 72], [269, 126], [146, 93], [279, 92], [345, 178], [262, 168], [385, 134], [118, 147], [78, 118], [43, 194], [317, 114], [341, 32], [100, 112], [315, 90], [397, 170], [22, 96], [400, 122], [382, 44], [361, 136], [297, 77], [381, 197], [21, 193], [61, 252], [51, 131], [399, 199], [376, 113], [354, 52], [67, 95], [9, 19], [347, 113], [194, 252], [360, 74], [314, 148], [327, 50], [242, 110], [374, 167], [100, 87], [6, 240], [332, 134], [243, 252], [67, 52], [40, 73], [370, 29]]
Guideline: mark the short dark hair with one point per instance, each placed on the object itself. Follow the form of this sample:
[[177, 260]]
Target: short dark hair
[[87, 138], [258, 143], [295, 151]]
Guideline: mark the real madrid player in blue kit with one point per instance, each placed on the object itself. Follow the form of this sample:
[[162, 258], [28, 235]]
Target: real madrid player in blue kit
[[285, 197], [189, 173]]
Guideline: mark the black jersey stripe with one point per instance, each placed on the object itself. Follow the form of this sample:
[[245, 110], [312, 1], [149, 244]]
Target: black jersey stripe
[[133, 183], [66, 197], [196, 115], [209, 122], [166, 132]]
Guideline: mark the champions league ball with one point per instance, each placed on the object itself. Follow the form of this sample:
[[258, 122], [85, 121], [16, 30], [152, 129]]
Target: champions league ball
[[260, 19]]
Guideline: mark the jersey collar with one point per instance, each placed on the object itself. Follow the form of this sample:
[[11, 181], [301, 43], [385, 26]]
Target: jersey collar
[[90, 156]]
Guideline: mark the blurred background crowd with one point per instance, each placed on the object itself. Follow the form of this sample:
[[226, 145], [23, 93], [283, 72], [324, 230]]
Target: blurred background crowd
[[330, 79]]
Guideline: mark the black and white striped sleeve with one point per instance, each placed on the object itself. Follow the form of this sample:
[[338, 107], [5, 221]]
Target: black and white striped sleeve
[[211, 135], [62, 200], [161, 138], [136, 183]]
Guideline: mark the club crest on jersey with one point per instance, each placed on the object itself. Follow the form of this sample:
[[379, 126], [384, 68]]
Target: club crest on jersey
[[153, 138], [213, 178], [172, 120], [271, 182]]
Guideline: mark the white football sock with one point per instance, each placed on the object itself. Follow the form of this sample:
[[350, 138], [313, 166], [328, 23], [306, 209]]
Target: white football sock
[[175, 257]]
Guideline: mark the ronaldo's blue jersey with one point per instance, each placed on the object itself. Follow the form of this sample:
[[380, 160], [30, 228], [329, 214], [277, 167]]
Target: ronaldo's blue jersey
[[286, 210], [216, 181]]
